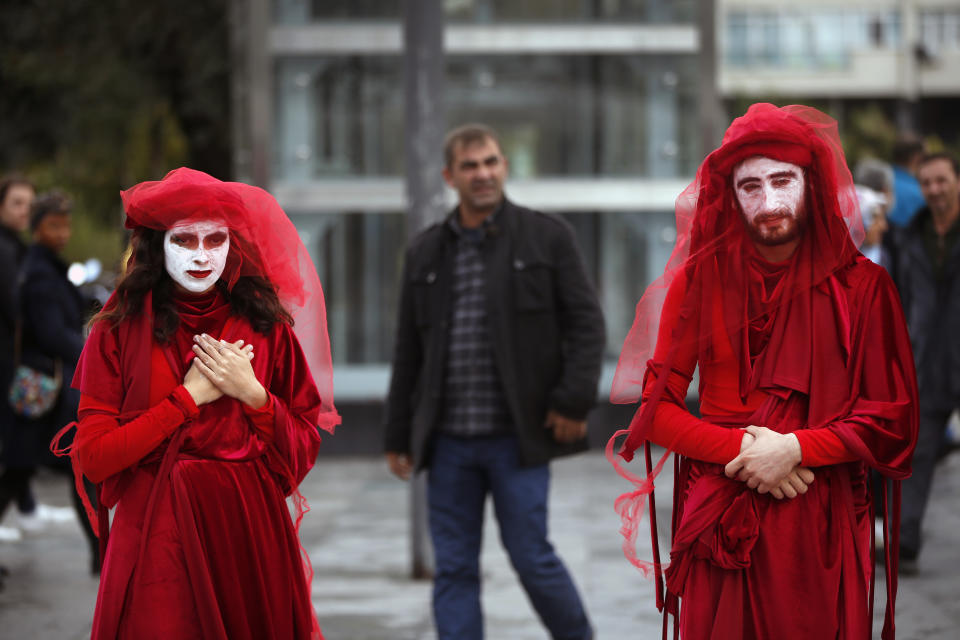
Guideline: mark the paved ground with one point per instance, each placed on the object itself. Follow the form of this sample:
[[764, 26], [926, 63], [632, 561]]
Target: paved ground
[[357, 538]]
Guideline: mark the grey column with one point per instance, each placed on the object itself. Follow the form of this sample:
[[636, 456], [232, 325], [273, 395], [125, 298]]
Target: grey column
[[710, 109], [423, 140], [260, 92]]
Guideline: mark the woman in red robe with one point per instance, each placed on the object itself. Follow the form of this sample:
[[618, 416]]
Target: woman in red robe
[[810, 348], [199, 416]]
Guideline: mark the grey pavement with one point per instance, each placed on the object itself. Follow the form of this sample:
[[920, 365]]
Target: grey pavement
[[357, 539]]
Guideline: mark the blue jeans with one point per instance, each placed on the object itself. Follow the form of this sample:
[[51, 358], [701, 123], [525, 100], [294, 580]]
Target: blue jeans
[[462, 472]]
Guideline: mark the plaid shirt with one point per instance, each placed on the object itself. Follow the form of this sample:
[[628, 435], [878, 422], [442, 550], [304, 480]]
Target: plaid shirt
[[474, 403]]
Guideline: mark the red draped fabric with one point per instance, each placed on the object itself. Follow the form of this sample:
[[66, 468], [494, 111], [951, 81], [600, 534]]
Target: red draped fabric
[[202, 544], [817, 346]]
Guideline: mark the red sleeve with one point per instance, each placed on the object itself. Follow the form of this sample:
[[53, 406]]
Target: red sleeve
[[295, 403], [263, 418], [106, 447], [673, 426], [820, 447], [681, 431]]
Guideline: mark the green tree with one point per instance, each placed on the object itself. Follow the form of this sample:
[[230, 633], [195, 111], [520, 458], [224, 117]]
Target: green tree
[[96, 95]]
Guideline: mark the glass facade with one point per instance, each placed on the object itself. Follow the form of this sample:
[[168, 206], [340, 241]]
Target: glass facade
[[557, 115], [940, 29], [491, 11], [359, 257], [802, 38], [338, 118]]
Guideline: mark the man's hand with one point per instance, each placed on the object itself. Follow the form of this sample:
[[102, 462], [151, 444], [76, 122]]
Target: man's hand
[[794, 484], [790, 487], [767, 462], [565, 429], [400, 464]]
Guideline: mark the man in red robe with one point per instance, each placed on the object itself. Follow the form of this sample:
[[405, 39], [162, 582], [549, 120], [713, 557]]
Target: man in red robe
[[806, 382]]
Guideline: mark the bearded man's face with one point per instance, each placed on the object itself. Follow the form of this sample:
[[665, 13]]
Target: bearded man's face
[[771, 198]]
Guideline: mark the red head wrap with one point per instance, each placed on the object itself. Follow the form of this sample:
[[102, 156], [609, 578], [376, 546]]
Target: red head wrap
[[710, 229], [263, 242]]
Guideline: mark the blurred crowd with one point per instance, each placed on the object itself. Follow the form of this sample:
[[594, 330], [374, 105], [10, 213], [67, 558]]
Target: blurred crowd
[[911, 219]]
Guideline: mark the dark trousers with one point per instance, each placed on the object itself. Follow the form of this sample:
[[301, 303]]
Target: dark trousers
[[462, 472], [916, 488], [15, 487]]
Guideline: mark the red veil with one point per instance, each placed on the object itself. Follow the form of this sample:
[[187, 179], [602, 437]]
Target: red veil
[[263, 242], [709, 223], [712, 254]]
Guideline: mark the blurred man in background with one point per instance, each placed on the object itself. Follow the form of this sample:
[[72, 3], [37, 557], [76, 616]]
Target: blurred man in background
[[928, 276], [499, 345]]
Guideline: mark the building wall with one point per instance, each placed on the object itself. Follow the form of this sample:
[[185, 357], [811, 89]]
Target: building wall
[[904, 49]]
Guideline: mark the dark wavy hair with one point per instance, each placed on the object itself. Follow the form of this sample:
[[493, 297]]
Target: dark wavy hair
[[252, 297]]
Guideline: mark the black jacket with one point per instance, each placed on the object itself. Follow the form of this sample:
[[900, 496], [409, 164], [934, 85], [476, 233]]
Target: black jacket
[[12, 251], [932, 309], [53, 314], [545, 323]]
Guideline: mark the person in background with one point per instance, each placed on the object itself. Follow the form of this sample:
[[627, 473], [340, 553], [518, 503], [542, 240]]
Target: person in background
[[928, 276], [16, 195], [499, 345], [874, 184], [907, 198], [52, 314]]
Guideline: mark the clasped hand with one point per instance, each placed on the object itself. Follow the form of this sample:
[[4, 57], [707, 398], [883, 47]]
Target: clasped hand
[[223, 369], [769, 462]]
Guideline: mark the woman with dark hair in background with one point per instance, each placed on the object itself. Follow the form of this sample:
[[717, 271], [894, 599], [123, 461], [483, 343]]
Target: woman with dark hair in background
[[51, 317], [16, 194], [199, 415]]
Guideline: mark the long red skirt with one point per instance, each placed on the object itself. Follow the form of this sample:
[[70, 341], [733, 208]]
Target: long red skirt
[[220, 559], [748, 566]]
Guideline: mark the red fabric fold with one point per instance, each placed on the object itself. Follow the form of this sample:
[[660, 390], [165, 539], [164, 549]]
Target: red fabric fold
[[182, 479]]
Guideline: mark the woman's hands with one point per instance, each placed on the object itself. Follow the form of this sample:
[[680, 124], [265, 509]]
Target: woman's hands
[[226, 366], [769, 462], [199, 386]]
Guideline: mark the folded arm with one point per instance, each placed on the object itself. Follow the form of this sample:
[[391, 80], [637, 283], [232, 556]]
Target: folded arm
[[106, 447]]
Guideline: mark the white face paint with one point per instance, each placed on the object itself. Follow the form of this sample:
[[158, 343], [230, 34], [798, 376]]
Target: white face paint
[[195, 254], [771, 197]]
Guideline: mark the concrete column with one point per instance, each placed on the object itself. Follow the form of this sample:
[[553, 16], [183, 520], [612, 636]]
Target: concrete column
[[710, 109], [424, 128], [261, 91]]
